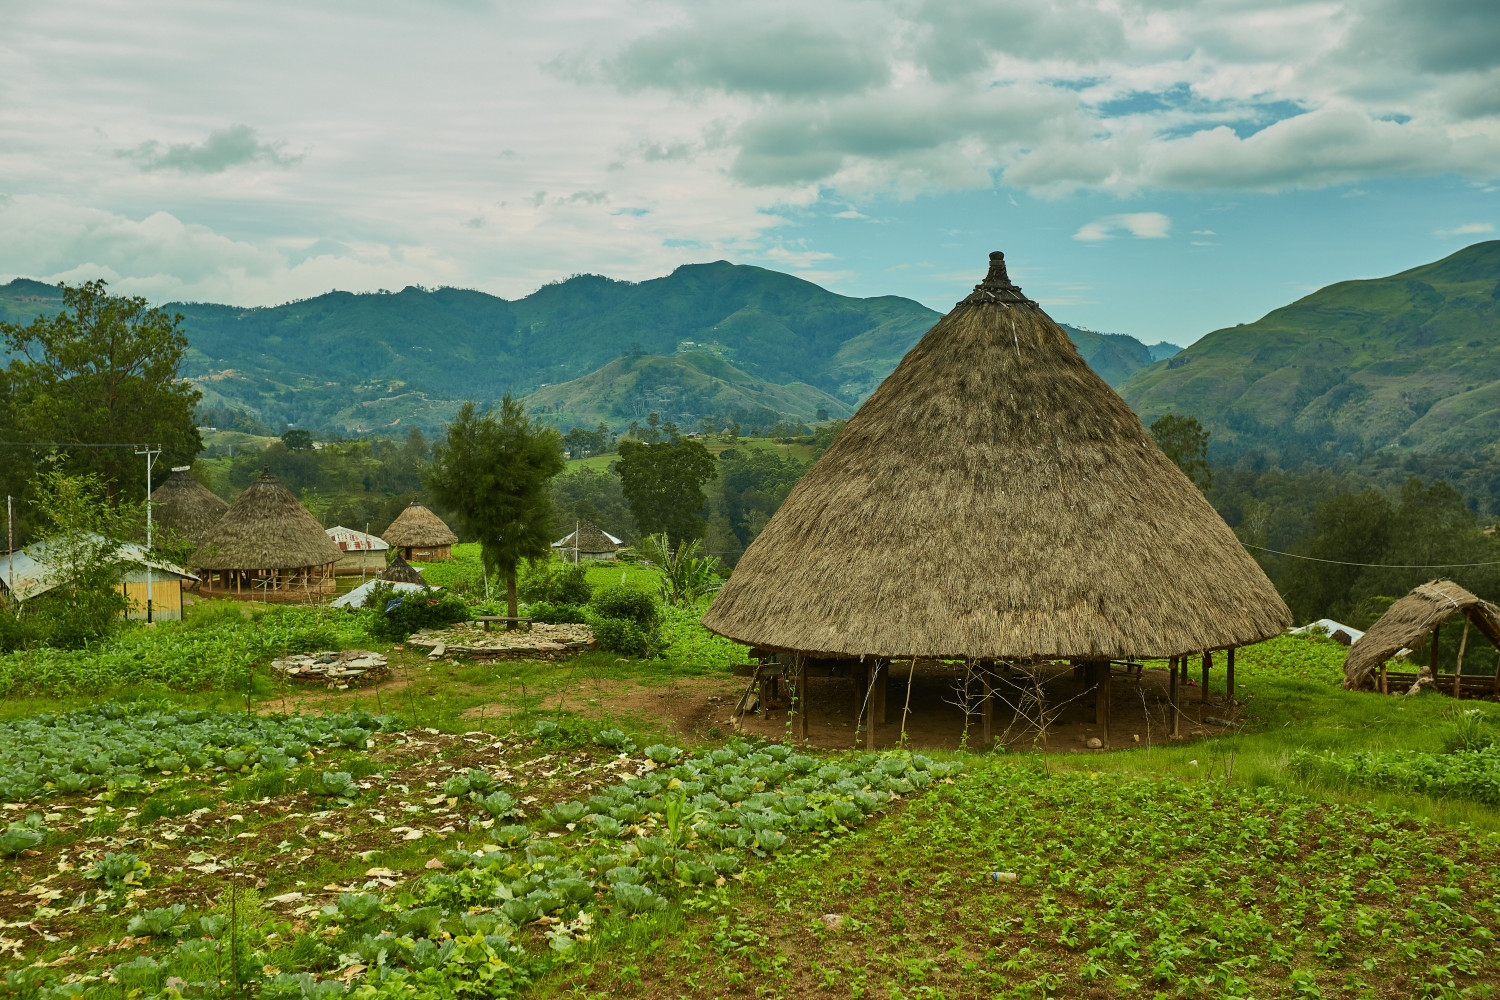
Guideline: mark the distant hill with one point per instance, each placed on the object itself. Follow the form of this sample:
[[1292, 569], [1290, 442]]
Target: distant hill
[[360, 362], [1410, 362], [683, 388]]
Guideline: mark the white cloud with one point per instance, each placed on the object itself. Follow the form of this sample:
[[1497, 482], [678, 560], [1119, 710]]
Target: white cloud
[[1468, 229], [1141, 225]]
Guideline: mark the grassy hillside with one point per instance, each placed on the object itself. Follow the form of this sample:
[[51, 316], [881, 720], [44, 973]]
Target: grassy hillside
[[681, 388], [1410, 362]]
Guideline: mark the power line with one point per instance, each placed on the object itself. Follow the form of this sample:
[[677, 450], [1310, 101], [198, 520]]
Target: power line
[[1340, 562], [67, 444]]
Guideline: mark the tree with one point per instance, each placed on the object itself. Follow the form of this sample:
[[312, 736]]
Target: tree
[[1348, 530], [492, 472], [298, 440], [102, 370], [1185, 442], [663, 483]]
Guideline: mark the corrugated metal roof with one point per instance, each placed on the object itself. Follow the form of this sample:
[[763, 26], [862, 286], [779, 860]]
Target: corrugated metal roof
[[34, 576], [356, 541]]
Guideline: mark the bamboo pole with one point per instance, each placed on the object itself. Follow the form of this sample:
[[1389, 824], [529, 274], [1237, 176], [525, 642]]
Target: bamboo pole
[[1458, 668]]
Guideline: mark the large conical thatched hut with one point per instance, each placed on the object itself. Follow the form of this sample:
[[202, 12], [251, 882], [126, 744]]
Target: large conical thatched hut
[[1416, 620], [267, 547], [184, 507], [419, 534], [995, 500]]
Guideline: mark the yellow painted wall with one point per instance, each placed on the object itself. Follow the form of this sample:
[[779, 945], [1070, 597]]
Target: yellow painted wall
[[166, 598]]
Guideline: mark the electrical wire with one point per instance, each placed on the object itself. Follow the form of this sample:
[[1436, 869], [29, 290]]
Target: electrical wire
[[66, 444], [1340, 562]]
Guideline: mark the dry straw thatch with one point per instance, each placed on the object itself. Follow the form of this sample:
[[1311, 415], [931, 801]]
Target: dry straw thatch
[[590, 540], [401, 571], [266, 528], [995, 498], [418, 527], [1408, 622], [185, 507]]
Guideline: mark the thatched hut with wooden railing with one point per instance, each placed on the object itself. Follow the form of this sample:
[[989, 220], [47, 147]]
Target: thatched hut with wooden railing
[[267, 547], [1098, 550], [184, 508], [420, 535], [1417, 620]]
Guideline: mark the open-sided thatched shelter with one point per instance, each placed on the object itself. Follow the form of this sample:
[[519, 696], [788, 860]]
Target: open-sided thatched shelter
[[420, 535], [401, 571], [267, 547], [184, 507], [587, 542], [1409, 623], [1097, 547]]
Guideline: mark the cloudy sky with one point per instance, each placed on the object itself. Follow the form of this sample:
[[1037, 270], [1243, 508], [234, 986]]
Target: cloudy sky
[[1159, 168]]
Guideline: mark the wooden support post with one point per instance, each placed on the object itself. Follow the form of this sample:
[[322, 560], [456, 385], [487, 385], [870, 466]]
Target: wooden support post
[[867, 703], [802, 697], [1458, 668], [1100, 675], [987, 675], [1229, 673], [1105, 676], [877, 697], [1172, 691], [1385, 687], [1208, 661]]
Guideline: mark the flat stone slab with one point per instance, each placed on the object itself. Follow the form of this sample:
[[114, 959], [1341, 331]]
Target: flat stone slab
[[539, 642], [343, 667]]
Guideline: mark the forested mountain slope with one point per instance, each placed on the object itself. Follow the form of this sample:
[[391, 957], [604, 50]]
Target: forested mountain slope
[[1411, 362]]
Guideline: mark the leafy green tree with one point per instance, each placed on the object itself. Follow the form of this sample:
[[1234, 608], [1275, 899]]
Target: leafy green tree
[[1348, 529], [492, 471], [1185, 442], [298, 439], [663, 484], [590, 495], [80, 537], [102, 370]]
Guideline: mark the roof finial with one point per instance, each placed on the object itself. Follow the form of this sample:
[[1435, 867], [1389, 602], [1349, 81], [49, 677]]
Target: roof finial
[[997, 286]]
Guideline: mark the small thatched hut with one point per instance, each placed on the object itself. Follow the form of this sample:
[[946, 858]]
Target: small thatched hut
[[587, 542], [1097, 547], [267, 547], [419, 534], [1413, 620], [184, 507], [401, 571]]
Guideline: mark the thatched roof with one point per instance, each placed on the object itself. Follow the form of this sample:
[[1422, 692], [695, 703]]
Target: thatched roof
[[401, 571], [590, 539], [266, 528], [1409, 621], [418, 526], [995, 498], [185, 507]]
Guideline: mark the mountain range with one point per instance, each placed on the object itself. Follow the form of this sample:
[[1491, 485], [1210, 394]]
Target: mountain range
[[723, 340], [1409, 362]]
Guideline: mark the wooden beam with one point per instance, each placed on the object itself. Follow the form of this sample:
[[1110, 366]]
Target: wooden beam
[[867, 703], [1432, 658], [987, 675], [1172, 692], [1458, 668], [1098, 673], [1106, 677], [1229, 673], [802, 697], [877, 697], [1208, 661]]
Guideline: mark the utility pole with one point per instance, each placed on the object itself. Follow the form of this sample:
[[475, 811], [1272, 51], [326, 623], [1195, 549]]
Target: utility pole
[[10, 549], [364, 557], [150, 454], [575, 541]]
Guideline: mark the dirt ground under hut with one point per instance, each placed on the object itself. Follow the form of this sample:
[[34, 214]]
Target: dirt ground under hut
[[1140, 711]]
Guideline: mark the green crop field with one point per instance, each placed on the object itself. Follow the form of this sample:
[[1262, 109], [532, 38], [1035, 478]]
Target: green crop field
[[179, 822]]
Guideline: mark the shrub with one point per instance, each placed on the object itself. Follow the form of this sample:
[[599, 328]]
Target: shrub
[[555, 582], [393, 621], [626, 602], [623, 636], [557, 614]]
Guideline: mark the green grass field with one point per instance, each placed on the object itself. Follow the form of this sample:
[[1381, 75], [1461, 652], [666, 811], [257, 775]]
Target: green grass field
[[500, 829]]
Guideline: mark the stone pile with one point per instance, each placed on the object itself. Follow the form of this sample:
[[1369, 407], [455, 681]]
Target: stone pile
[[539, 642], [336, 669]]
